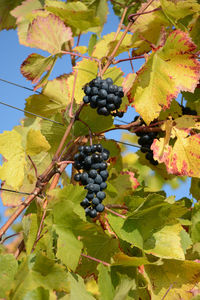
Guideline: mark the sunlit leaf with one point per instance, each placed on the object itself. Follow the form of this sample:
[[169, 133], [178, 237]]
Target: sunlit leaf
[[6, 20], [8, 269], [36, 142], [169, 70]]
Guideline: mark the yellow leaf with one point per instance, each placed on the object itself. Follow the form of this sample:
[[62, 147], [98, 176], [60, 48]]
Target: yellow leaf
[[11, 148], [36, 142]]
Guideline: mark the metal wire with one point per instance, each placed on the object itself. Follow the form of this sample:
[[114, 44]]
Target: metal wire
[[12, 191], [18, 85], [30, 113]]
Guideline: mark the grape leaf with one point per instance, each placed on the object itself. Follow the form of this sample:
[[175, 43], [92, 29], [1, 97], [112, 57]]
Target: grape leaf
[[35, 65], [67, 244], [86, 71], [40, 294], [36, 142], [76, 15], [49, 34], [195, 226], [148, 29], [170, 69], [11, 148], [7, 21], [8, 269], [183, 157], [105, 283], [194, 30], [175, 277], [158, 236], [78, 289], [178, 9], [30, 228]]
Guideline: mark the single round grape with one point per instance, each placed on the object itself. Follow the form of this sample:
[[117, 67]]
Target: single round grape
[[95, 201], [104, 174], [94, 99], [99, 147], [102, 94], [77, 177], [93, 104], [86, 99], [120, 92], [120, 114], [90, 180], [94, 91], [93, 213], [154, 162], [90, 196], [87, 161], [90, 187], [145, 140], [101, 103], [87, 149], [109, 80], [98, 179], [110, 98], [101, 195], [87, 90], [115, 88], [93, 173], [117, 100], [96, 188], [77, 165], [84, 178], [149, 155], [144, 149], [95, 158], [111, 89], [104, 85], [76, 157], [152, 134], [87, 211], [94, 148], [103, 186], [80, 148], [186, 110], [110, 106], [103, 111], [105, 154], [85, 203], [193, 113], [100, 207], [103, 166]]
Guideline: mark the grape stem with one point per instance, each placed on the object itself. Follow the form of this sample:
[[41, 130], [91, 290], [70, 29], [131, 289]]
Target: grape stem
[[115, 213], [96, 259]]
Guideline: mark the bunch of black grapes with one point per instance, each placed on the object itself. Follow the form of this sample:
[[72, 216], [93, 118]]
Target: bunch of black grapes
[[145, 140], [105, 96], [90, 161]]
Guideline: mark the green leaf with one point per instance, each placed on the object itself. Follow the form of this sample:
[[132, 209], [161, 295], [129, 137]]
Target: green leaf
[[6, 20], [159, 236], [30, 228], [92, 43], [40, 294], [150, 94], [195, 227], [179, 9], [78, 289], [35, 65], [11, 148], [176, 278], [76, 15], [39, 271], [53, 35], [8, 269], [96, 122], [86, 71], [36, 142], [105, 283], [68, 247]]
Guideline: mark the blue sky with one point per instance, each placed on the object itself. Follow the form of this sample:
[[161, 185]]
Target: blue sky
[[12, 54]]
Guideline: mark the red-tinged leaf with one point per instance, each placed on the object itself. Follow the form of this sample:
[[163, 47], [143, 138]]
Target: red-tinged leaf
[[183, 158], [169, 70], [6, 20], [49, 34], [35, 65]]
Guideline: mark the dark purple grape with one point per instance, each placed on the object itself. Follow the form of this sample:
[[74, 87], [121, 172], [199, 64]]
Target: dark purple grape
[[103, 166], [145, 140], [101, 195], [92, 213], [92, 173], [87, 90], [104, 174], [77, 177], [95, 158], [98, 179], [86, 99], [90, 187], [154, 162], [102, 94], [93, 104], [95, 201], [101, 103], [94, 99], [94, 91], [104, 86], [96, 166], [103, 186], [94, 148], [90, 180], [80, 148], [84, 178], [99, 147], [120, 114], [120, 92], [111, 89], [85, 203], [87, 211], [110, 106], [109, 80], [149, 155], [115, 89], [103, 111], [144, 149], [96, 188], [90, 196], [105, 154], [87, 150], [76, 157], [110, 98], [77, 165], [100, 207]]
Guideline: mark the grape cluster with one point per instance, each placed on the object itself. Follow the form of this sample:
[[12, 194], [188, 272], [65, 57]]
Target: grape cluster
[[105, 96], [145, 140], [188, 111], [92, 161]]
